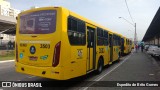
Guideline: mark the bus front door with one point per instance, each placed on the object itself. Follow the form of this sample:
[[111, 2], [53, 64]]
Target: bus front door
[[91, 48]]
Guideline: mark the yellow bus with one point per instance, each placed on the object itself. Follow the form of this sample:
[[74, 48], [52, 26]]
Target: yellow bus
[[126, 47], [56, 43], [132, 45], [129, 45]]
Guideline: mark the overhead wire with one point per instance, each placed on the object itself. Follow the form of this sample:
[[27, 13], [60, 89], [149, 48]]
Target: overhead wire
[[129, 11]]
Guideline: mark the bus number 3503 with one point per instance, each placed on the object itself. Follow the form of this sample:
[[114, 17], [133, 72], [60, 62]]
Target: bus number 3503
[[45, 46]]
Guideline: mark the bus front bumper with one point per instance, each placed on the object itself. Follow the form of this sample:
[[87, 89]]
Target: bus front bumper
[[47, 72]]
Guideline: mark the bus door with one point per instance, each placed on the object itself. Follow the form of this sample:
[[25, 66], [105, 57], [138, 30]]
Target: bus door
[[111, 47], [91, 48], [122, 46]]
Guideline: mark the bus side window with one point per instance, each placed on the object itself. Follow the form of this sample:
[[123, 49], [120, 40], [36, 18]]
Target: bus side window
[[105, 38], [110, 40], [76, 31], [100, 39]]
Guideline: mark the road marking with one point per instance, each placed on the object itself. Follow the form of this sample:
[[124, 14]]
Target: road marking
[[31, 76], [151, 74], [6, 61], [102, 76]]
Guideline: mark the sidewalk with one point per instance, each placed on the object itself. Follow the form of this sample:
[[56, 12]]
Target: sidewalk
[[139, 67]]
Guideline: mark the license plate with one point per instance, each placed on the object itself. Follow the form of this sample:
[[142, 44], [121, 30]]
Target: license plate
[[33, 58]]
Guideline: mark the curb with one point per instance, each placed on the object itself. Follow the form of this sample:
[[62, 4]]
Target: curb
[[6, 61]]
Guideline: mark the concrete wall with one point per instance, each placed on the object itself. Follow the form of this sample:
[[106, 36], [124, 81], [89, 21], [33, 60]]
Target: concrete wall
[[154, 41]]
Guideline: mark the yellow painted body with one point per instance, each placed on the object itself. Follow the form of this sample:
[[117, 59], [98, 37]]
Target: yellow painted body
[[70, 63], [127, 45]]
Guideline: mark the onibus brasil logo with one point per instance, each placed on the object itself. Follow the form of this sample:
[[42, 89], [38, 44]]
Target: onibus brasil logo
[[21, 84]]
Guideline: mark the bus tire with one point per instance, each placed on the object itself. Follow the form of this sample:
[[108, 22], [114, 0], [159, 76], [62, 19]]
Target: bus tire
[[99, 66]]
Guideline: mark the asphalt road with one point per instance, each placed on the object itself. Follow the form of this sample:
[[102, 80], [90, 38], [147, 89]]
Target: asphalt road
[[134, 67]]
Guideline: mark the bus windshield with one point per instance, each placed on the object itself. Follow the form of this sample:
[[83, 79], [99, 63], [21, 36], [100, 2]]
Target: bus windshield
[[38, 22]]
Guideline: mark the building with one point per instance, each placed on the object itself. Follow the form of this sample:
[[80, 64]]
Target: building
[[7, 11], [152, 35]]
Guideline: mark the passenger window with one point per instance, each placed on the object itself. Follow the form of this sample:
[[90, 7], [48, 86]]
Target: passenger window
[[76, 31], [100, 39], [105, 38]]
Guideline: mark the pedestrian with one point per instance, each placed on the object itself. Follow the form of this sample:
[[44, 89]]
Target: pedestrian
[[136, 47], [142, 47]]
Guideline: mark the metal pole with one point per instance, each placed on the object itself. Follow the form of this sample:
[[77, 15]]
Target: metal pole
[[135, 33], [135, 36]]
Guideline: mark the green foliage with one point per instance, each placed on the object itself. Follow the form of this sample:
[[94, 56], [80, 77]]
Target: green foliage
[[7, 55]]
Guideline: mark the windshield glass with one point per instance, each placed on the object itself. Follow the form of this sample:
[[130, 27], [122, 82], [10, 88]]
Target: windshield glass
[[39, 22]]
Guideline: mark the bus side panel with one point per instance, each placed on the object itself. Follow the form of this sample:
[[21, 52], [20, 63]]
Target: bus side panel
[[114, 53], [73, 57], [109, 58], [125, 46], [106, 55], [100, 53], [78, 60]]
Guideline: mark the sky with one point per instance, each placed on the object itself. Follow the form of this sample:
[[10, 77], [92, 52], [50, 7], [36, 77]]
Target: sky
[[105, 12]]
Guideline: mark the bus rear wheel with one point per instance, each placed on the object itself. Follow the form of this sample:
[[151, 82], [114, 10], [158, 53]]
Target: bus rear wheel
[[100, 66]]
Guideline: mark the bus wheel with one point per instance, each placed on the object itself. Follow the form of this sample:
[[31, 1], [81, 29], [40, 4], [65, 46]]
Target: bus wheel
[[100, 66]]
